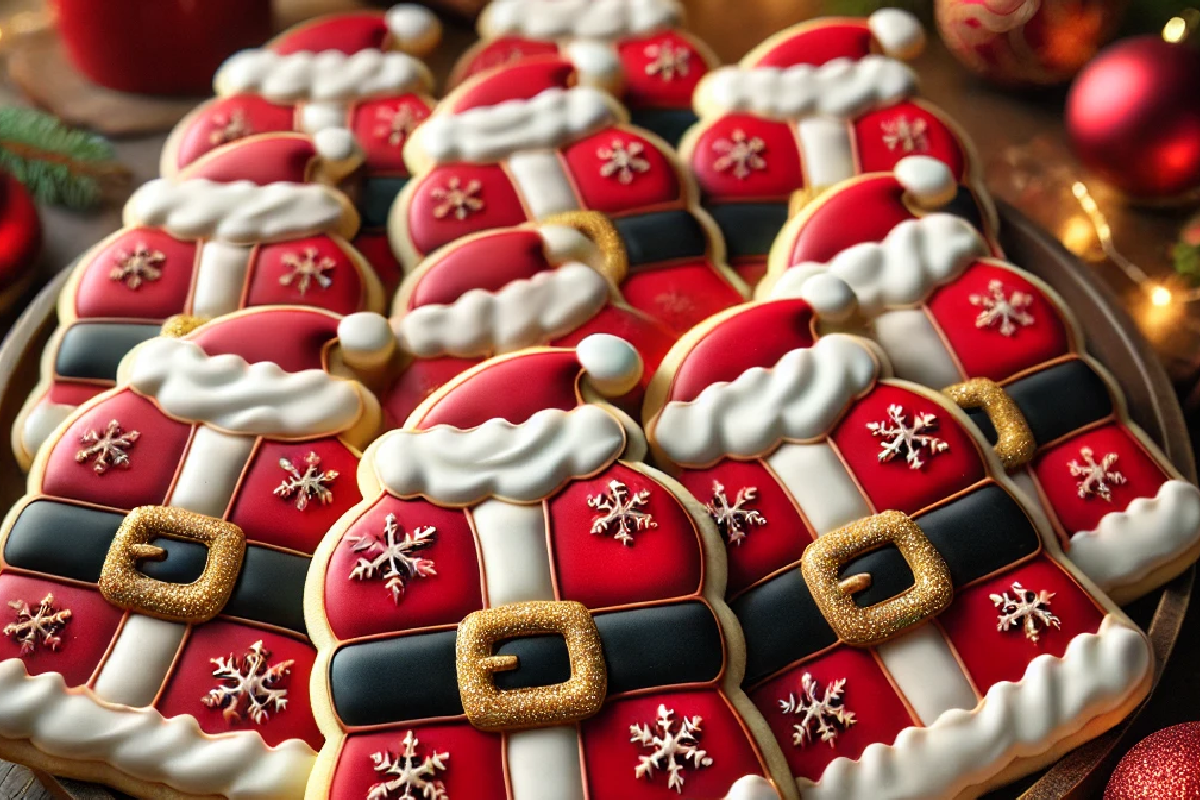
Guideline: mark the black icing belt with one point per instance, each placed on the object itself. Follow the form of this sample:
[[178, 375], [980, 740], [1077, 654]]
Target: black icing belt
[[92, 350], [749, 228], [669, 123], [976, 534], [72, 541], [660, 236], [1055, 401], [414, 677]]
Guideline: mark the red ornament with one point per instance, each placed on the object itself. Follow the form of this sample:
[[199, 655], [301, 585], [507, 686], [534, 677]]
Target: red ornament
[[1164, 764], [20, 237], [1133, 118]]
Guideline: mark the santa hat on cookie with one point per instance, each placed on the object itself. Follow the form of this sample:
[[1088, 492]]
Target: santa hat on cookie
[[328, 157], [523, 80], [889, 31], [406, 27]]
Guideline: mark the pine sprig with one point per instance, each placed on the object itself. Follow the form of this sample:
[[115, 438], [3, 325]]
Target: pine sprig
[[59, 165]]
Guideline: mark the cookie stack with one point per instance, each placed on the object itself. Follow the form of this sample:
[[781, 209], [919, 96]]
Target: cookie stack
[[709, 447]]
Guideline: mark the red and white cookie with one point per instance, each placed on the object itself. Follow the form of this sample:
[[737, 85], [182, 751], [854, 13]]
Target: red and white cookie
[[204, 246], [511, 147], [811, 106], [636, 49], [945, 312], [911, 628], [152, 578], [484, 524]]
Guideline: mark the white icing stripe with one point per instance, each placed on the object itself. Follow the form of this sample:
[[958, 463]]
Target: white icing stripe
[[598, 63], [799, 398], [584, 19], [513, 549], [139, 661], [144, 745], [827, 149], [1027, 487], [543, 183], [523, 463], [526, 312], [915, 350], [240, 211], [544, 764], [1056, 697], [41, 422], [820, 485], [842, 87], [220, 278], [924, 669], [1128, 544], [324, 76], [493, 133], [233, 395], [210, 471], [317, 117]]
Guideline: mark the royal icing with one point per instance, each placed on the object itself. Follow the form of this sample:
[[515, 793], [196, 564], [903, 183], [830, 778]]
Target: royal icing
[[898, 31], [328, 76], [584, 19], [409, 22]]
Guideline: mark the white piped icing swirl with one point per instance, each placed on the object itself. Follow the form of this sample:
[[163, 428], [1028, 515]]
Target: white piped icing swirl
[[583, 19], [328, 76]]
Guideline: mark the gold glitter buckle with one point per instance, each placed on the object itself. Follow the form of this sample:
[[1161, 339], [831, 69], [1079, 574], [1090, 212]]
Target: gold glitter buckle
[[492, 709], [822, 562], [123, 585], [1015, 445], [603, 233]]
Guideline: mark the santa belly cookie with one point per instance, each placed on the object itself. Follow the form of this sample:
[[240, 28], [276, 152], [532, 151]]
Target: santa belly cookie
[[468, 649], [635, 49], [504, 149], [1001, 342], [203, 247], [153, 576], [499, 291], [810, 107], [910, 628]]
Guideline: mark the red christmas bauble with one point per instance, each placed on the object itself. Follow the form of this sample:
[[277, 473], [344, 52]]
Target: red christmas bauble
[[1164, 764], [20, 235], [1133, 118]]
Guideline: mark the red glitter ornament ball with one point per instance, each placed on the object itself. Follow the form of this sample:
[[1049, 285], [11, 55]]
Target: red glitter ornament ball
[[20, 236], [1164, 764], [1133, 118]]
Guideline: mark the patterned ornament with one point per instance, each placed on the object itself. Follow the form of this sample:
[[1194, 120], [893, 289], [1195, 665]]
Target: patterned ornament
[[250, 686], [620, 508], [674, 745], [409, 773], [908, 439], [106, 448], [1024, 609], [37, 628], [1164, 764]]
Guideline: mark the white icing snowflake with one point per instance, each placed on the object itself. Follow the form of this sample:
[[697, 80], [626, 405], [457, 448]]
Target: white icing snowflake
[[307, 268], [901, 438], [409, 774], [669, 745], [904, 134], [249, 686], [107, 447], [623, 161], [668, 60], [1026, 609], [393, 125], [998, 308], [819, 717], [734, 520], [1098, 478], [620, 508], [310, 484], [40, 627], [456, 199], [140, 266], [393, 559], [229, 127], [741, 153]]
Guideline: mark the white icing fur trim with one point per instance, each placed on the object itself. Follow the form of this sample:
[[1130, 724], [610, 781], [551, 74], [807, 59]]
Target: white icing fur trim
[[1055, 698], [233, 395], [1128, 544], [842, 87], [578, 19], [142, 744], [897, 31], [238, 212], [328, 76], [366, 339], [410, 23], [549, 120], [524, 463], [522, 313], [797, 399], [752, 787], [915, 257]]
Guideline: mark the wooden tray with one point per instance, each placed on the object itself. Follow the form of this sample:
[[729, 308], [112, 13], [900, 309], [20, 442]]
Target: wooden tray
[[1111, 337]]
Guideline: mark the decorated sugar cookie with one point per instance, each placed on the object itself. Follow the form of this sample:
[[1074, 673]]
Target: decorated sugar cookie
[[499, 291], [811, 106], [1003, 344], [635, 49], [911, 630], [203, 246], [507, 148], [152, 578], [468, 648]]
